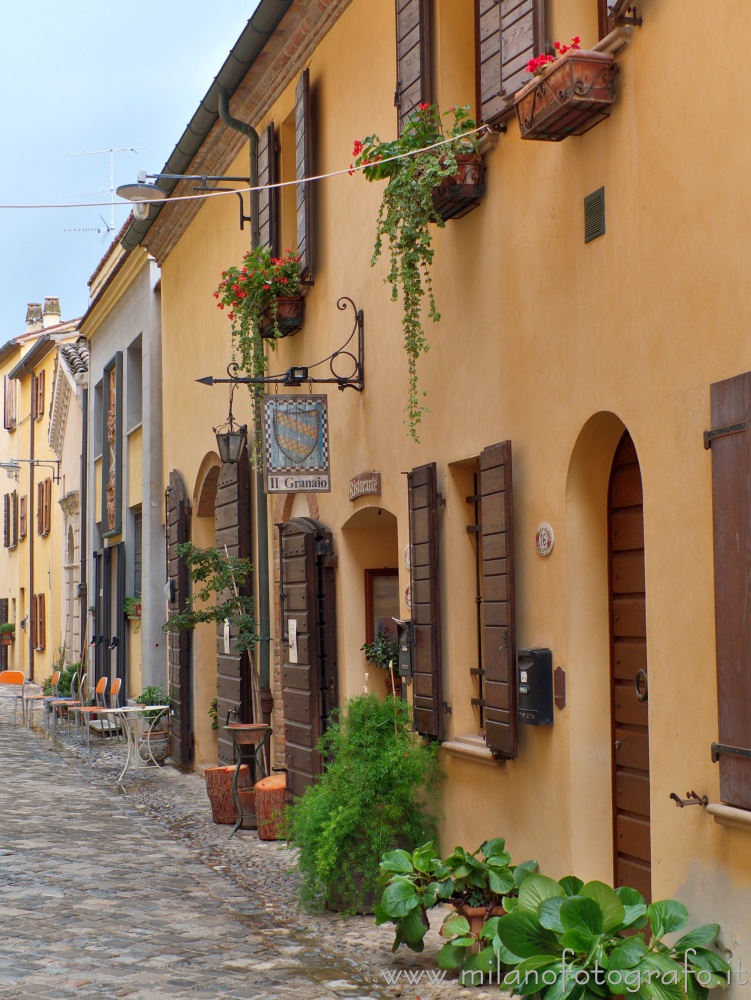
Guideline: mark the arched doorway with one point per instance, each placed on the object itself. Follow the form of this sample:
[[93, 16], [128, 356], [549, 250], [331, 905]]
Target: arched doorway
[[629, 681]]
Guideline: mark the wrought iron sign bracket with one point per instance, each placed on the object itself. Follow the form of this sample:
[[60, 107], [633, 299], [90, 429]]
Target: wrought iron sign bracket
[[300, 374]]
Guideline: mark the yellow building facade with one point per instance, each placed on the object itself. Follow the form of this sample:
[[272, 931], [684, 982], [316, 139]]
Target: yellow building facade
[[594, 356]]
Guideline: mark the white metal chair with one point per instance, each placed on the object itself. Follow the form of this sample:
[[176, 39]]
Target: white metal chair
[[15, 681]]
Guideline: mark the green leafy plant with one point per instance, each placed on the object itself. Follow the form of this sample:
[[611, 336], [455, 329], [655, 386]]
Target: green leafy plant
[[413, 165], [419, 881], [382, 650], [214, 713], [582, 941], [153, 695], [8, 628], [379, 791], [132, 608], [219, 578], [65, 681]]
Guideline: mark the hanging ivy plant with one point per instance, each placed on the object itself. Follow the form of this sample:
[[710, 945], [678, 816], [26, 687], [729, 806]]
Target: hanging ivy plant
[[413, 170]]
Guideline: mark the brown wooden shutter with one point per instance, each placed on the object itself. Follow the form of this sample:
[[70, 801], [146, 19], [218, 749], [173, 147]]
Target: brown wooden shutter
[[267, 197], [9, 412], [303, 168], [178, 643], [499, 633], [731, 500], [23, 524], [605, 21], [47, 505], [426, 599], [33, 620], [508, 34], [413, 76], [14, 519], [34, 398], [41, 623], [40, 395], [6, 520], [233, 529], [40, 507]]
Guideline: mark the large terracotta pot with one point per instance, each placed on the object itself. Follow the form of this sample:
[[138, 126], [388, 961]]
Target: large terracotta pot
[[476, 917]]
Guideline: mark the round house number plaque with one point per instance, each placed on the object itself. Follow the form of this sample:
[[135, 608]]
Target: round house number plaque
[[544, 540]]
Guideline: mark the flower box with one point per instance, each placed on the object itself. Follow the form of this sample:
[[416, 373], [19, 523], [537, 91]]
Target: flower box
[[456, 196], [570, 97], [289, 316], [7, 638]]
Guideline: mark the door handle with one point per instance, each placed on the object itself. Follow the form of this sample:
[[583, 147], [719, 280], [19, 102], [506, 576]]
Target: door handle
[[642, 693]]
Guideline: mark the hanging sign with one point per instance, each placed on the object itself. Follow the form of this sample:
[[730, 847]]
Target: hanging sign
[[296, 444]]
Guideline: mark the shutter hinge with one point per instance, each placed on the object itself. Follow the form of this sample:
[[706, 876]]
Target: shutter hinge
[[709, 436], [446, 708], [440, 499], [722, 750]]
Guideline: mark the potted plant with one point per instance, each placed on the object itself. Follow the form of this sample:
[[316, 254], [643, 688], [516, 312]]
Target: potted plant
[[571, 939], [475, 883], [383, 651], [154, 743], [7, 633], [132, 608], [423, 158], [571, 92], [378, 792]]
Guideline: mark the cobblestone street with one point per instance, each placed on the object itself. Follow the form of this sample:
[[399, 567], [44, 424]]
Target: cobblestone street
[[112, 891]]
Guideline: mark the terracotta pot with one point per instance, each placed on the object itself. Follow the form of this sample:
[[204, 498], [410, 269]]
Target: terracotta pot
[[476, 917], [570, 97], [7, 639], [289, 316], [456, 196]]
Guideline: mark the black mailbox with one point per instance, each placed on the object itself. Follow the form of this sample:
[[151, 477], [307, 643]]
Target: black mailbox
[[405, 632], [535, 671]]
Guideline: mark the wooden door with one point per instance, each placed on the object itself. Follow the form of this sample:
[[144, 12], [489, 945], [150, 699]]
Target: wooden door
[[179, 643], [629, 680], [309, 672]]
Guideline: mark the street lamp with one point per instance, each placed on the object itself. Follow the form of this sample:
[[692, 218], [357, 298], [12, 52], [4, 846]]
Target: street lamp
[[231, 438], [142, 194]]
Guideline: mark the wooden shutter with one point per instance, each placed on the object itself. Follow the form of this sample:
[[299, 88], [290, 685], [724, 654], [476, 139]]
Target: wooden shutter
[[178, 643], [508, 34], [13, 519], [47, 506], [41, 623], [426, 599], [40, 508], [605, 20], [267, 197], [731, 501], [6, 520], [413, 77], [9, 412], [233, 529], [34, 398], [3, 620], [40, 395], [23, 522], [499, 633], [303, 168]]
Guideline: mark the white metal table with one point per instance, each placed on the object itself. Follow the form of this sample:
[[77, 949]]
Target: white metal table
[[137, 723]]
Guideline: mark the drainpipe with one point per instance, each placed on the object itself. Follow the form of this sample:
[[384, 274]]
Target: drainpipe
[[262, 523], [31, 528]]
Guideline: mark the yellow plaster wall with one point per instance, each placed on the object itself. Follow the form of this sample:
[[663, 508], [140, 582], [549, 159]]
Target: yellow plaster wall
[[557, 346]]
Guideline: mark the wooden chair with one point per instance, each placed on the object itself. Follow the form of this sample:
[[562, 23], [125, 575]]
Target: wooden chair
[[88, 714], [15, 679], [32, 700]]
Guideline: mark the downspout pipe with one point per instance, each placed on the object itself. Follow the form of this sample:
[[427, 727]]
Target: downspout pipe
[[83, 544], [262, 522], [30, 528]]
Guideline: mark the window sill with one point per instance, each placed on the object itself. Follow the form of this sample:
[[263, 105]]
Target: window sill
[[471, 748], [730, 816]]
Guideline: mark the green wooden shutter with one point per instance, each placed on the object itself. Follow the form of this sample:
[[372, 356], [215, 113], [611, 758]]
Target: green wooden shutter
[[267, 197], [426, 599], [413, 78], [303, 168], [499, 632], [731, 500], [508, 34]]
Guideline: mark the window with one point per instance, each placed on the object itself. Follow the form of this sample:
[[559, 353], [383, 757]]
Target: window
[[44, 506], [23, 518], [134, 380], [137, 553], [13, 519], [6, 520], [112, 426], [38, 622], [413, 69], [381, 602], [9, 412]]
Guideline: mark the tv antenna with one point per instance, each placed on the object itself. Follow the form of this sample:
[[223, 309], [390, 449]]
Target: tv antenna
[[111, 154]]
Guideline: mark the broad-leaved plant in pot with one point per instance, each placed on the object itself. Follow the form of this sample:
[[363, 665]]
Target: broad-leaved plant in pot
[[413, 164]]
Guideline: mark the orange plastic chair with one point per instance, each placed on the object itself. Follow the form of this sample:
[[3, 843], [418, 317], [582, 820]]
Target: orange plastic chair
[[90, 713], [57, 705], [16, 679], [84, 713], [32, 700]]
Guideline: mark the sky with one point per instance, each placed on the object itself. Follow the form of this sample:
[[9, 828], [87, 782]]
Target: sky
[[78, 78]]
